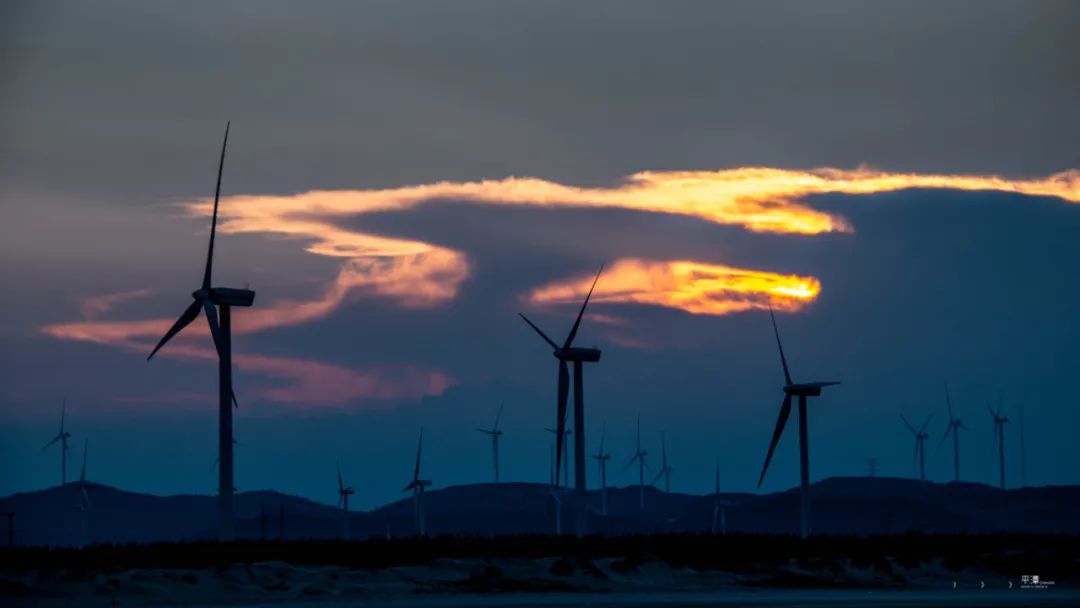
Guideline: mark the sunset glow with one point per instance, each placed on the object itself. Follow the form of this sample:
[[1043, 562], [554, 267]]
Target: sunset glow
[[693, 287]]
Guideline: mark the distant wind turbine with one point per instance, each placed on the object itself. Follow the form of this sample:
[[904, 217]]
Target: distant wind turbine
[[417, 486], [564, 451], [1023, 460], [602, 459], [553, 490], [62, 437], [343, 501], [639, 457], [84, 498], [217, 303], [665, 468], [719, 515], [954, 426], [565, 354], [918, 457], [495, 434], [802, 391], [999, 438]]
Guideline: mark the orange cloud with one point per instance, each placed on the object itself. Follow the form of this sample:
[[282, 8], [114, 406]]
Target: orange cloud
[[694, 287], [96, 306], [308, 382]]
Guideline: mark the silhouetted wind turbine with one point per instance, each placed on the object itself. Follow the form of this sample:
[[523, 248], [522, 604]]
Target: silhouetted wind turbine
[[564, 452], [955, 424], [999, 438], [719, 514], [918, 457], [601, 460], [495, 434], [62, 437], [639, 457], [343, 501], [802, 391], [566, 353], [417, 485], [217, 303], [84, 498], [665, 468], [553, 490]]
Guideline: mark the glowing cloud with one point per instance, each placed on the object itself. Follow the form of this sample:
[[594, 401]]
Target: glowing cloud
[[694, 287]]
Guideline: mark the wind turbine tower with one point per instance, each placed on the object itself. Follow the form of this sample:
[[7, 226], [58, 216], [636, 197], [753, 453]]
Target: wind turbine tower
[[564, 451], [954, 426], [343, 501], [802, 391], [84, 499], [495, 433], [217, 303], [417, 486], [719, 515], [665, 468], [602, 459], [919, 456], [565, 354], [639, 457], [999, 438], [62, 437]]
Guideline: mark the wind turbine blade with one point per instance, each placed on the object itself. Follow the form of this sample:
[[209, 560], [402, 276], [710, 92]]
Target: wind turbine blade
[[340, 484], [213, 221], [910, 428], [993, 414], [781, 420], [780, 347], [718, 477], [419, 445], [657, 478], [603, 433], [926, 422], [948, 429], [639, 433], [632, 460], [186, 317], [993, 442], [63, 414], [498, 415], [542, 334], [215, 329], [577, 323], [560, 434], [915, 454], [82, 477], [948, 402], [54, 440], [236, 404]]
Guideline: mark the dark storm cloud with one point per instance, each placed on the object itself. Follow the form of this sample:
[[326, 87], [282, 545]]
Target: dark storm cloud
[[114, 100]]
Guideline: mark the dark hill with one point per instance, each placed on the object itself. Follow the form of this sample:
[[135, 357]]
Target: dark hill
[[843, 505]]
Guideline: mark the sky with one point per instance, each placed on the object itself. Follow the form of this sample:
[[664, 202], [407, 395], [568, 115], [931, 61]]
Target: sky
[[900, 183]]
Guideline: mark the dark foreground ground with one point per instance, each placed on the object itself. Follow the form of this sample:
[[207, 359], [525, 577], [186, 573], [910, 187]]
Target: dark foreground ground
[[657, 570]]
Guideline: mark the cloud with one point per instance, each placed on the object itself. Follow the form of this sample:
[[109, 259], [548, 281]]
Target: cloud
[[694, 287], [308, 382], [95, 306]]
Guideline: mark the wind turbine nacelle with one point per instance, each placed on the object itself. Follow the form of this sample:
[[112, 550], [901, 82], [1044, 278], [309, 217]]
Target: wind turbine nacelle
[[809, 389], [227, 296], [585, 355]]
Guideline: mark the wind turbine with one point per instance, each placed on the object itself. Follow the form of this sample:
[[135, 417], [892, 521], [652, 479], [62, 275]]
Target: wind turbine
[[955, 424], [495, 434], [417, 486], [565, 354], [343, 502], [1023, 461], [999, 438], [718, 511], [919, 455], [84, 498], [802, 391], [639, 457], [62, 437], [665, 468], [601, 460], [217, 303], [553, 490], [564, 452]]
